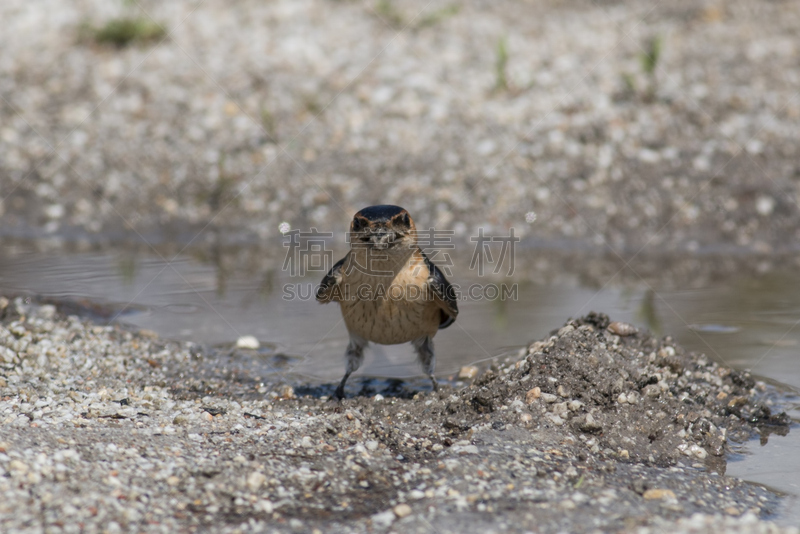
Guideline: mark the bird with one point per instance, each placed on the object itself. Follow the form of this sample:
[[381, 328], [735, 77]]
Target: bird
[[388, 290]]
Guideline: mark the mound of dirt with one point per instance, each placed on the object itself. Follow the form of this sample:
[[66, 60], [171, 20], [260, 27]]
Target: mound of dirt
[[626, 392]]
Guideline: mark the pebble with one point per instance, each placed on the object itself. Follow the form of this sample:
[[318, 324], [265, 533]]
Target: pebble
[[622, 329], [383, 519], [402, 510], [564, 330], [468, 372], [532, 395], [657, 494], [247, 342], [555, 419], [264, 505], [255, 480]]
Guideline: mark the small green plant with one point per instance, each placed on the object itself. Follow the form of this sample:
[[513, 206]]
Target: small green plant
[[650, 56], [501, 65], [629, 81], [648, 60], [435, 17], [386, 10], [393, 17], [312, 104], [270, 125], [123, 31]]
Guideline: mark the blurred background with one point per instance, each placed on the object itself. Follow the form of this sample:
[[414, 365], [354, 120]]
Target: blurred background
[[153, 153]]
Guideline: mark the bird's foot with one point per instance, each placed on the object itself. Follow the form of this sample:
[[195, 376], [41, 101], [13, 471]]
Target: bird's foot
[[339, 394]]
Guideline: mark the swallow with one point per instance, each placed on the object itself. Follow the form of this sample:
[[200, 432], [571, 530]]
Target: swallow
[[388, 290]]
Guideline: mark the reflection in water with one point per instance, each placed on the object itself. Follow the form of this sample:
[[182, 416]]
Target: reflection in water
[[648, 314]]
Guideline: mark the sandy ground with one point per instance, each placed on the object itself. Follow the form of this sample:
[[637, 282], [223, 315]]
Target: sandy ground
[[103, 429], [251, 114]]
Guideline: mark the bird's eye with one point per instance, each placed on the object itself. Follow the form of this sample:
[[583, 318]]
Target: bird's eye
[[356, 225]]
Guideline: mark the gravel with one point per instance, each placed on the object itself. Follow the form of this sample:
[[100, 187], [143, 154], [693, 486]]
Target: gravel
[[104, 429], [259, 113]]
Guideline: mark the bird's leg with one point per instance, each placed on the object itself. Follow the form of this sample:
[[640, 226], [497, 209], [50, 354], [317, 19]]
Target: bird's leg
[[427, 359], [354, 355]]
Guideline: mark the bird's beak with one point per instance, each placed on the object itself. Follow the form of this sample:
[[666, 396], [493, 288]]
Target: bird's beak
[[382, 238]]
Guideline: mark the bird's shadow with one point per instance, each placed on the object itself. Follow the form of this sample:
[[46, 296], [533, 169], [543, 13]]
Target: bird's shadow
[[369, 387]]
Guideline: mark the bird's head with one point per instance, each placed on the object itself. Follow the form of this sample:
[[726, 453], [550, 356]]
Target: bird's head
[[382, 227]]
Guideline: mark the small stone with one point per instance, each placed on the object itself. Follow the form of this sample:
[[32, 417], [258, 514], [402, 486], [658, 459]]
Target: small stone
[[737, 401], [622, 399], [526, 418], [732, 510], [549, 397], [622, 329], [532, 395], [722, 395], [247, 342], [264, 506], [565, 330], [574, 405], [666, 352], [567, 504], [590, 426], [180, 420], [402, 510], [560, 409], [16, 465], [624, 454], [286, 392], [765, 205], [307, 442], [54, 211], [658, 494], [468, 372], [173, 481], [383, 519], [698, 452], [371, 445], [255, 480], [378, 397], [555, 419]]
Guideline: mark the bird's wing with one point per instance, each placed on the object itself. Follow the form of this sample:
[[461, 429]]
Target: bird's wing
[[444, 293], [328, 288]]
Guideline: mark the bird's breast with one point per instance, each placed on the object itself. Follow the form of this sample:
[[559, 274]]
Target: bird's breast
[[390, 309]]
